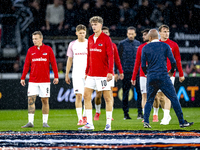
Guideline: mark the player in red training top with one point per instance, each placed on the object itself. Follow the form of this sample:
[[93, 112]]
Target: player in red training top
[[100, 61], [164, 34], [143, 78], [121, 76], [38, 59]]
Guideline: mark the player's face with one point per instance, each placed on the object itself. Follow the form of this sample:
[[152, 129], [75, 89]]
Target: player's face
[[37, 40], [145, 37], [131, 34], [164, 33], [81, 34], [96, 26], [106, 32]]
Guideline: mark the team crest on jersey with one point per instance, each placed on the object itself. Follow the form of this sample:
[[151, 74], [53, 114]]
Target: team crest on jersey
[[76, 90], [44, 53], [100, 44]]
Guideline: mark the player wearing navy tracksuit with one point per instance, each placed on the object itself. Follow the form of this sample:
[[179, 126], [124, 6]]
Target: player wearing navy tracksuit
[[155, 54]]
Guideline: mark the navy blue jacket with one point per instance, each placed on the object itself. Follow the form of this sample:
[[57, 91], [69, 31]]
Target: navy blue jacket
[[156, 53], [127, 52]]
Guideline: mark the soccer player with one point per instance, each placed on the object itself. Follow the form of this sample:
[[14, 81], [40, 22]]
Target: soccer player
[[155, 54], [77, 53], [98, 71], [164, 34], [143, 78], [127, 52], [38, 59], [121, 76]]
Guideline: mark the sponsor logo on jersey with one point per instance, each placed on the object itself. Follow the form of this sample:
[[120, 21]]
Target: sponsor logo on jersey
[[100, 44], [39, 59], [95, 50], [44, 53], [80, 53], [33, 53]]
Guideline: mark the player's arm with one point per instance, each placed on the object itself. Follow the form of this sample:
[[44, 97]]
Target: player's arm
[[68, 67], [109, 51], [143, 61], [88, 60], [177, 57], [172, 61], [54, 66], [26, 68], [118, 63], [137, 65]]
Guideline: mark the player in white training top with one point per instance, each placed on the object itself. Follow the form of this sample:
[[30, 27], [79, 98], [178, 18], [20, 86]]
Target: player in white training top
[[77, 53]]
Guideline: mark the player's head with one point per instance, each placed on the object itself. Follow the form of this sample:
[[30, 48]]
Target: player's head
[[145, 35], [164, 32], [131, 33], [96, 23], [153, 34], [81, 31], [106, 30], [37, 38]]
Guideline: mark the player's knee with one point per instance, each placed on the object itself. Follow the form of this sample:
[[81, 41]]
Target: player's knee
[[78, 97], [45, 101]]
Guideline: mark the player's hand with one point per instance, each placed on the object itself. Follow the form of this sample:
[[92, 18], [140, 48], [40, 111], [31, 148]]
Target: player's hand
[[55, 81], [23, 82], [116, 77], [121, 76], [181, 79], [133, 82], [85, 77], [67, 79], [109, 77], [170, 74]]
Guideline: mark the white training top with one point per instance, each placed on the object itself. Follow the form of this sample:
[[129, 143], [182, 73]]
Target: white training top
[[78, 51]]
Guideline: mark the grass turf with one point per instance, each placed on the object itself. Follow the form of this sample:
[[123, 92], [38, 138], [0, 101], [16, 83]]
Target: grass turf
[[66, 119]]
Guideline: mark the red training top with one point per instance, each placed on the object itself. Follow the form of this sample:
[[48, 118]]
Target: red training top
[[175, 51], [100, 59], [117, 59], [138, 63], [39, 59]]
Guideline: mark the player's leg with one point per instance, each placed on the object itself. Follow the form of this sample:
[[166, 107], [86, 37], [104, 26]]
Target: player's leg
[[168, 89], [98, 104], [126, 85], [78, 86], [152, 88], [109, 107], [143, 82], [139, 98], [33, 90], [156, 104], [90, 85], [44, 93], [111, 93]]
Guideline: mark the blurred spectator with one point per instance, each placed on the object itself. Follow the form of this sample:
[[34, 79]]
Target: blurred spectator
[[84, 14], [78, 4], [179, 15], [6, 7], [112, 18], [54, 17], [70, 18], [127, 15], [60, 68], [16, 67], [195, 21], [193, 68], [98, 9], [144, 14], [157, 16]]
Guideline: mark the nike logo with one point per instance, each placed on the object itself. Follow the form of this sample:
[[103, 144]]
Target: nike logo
[[33, 53]]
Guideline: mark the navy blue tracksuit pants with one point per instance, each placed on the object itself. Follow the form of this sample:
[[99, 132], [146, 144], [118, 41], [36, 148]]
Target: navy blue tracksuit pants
[[126, 87], [154, 83]]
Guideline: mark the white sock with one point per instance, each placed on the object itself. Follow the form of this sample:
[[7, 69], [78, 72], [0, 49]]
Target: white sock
[[79, 113], [143, 111], [108, 117], [45, 118], [155, 111], [31, 118], [166, 113], [98, 108], [89, 116], [84, 113]]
